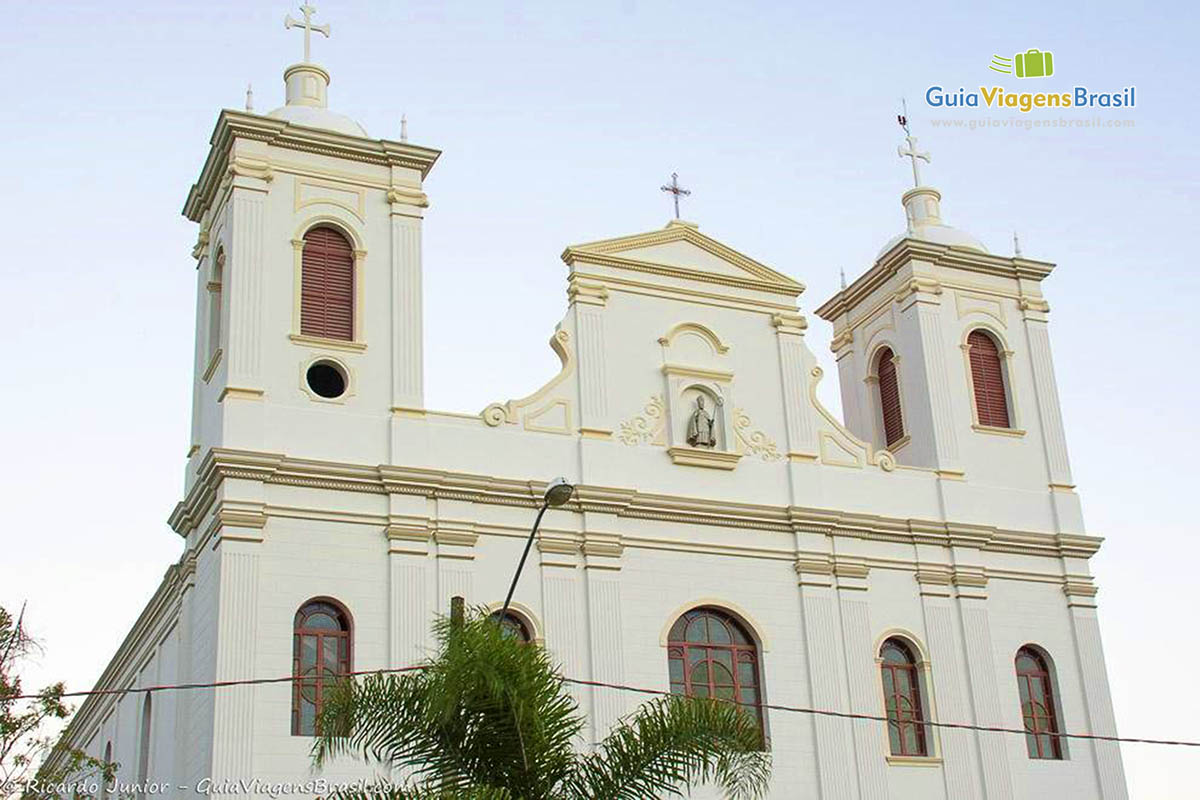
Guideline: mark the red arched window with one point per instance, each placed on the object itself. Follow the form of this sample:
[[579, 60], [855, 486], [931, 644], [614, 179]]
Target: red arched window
[[709, 654], [903, 700], [889, 396], [320, 654], [987, 378], [1037, 705], [327, 285]]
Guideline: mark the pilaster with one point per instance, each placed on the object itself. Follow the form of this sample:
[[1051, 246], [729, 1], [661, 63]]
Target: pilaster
[[602, 555], [826, 666], [1093, 677], [920, 306], [410, 607], [862, 676], [237, 635], [794, 369], [593, 370]]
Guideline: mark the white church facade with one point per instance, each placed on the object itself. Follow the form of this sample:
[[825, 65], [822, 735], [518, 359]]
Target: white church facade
[[925, 560]]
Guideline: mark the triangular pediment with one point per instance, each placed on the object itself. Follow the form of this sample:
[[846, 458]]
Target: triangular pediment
[[680, 250]]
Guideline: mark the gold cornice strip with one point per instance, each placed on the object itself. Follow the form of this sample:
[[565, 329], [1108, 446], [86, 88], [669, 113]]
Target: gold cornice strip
[[617, 501], [279, 133], [939, 255]]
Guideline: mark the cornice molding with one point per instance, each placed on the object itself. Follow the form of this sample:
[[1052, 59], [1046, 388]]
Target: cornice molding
[[275, 468], [939, 255], [676, 231], [233, 125], [572, 256]]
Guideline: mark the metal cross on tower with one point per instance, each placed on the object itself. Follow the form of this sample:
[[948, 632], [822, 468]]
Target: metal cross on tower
[[912, 151], [677, 190], [308, 26]]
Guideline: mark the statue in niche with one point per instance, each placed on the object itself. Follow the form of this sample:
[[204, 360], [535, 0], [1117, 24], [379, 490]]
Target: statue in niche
[[700, 429]]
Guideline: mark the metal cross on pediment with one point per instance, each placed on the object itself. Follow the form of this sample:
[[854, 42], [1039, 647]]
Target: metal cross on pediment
[[912, 151], [308, 26], [675, 189]]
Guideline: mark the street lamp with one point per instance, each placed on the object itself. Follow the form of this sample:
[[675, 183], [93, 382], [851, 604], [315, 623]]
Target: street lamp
[[557, 493]]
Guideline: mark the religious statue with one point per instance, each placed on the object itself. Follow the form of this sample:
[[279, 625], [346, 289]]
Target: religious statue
[[700, 427]]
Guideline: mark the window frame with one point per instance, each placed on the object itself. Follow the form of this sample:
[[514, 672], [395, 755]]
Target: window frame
[[678, 650], [920, 698], [322, 676], [1052, 711], [876, 377], [1004, 358], [356, 343]]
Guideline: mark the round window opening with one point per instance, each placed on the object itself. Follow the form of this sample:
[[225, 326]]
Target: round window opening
[[326, 380]]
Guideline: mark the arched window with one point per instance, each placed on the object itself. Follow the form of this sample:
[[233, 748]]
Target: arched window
[[709, 654], [320, 653], [214, 304], [327, 285], [1037, 705], [987, 379], [144, 746], [513, 626], [889, 396], [903, 699]]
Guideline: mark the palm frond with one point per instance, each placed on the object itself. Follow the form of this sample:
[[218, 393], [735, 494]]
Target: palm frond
[[672, 744], [488, 711]]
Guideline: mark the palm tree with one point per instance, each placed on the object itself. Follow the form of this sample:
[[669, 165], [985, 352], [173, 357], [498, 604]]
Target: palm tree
[[490, 719]]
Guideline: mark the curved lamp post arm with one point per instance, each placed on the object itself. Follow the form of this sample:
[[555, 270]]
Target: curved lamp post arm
[[520, 566]]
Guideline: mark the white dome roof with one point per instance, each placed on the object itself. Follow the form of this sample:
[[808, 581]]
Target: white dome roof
[[307, 87], [923, 210], [313, 117], [939, 234]]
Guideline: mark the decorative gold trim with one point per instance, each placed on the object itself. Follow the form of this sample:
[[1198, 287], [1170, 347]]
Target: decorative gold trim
[[697, 457], [753, 441], [232, 125], [996, 431], [497, 414], [703, 331], [212, 365], [274, 468], [648, 427], [328, 344], [676, 231], [913, 761], [300, 202], [697, 372], [240, 393], [595, 433]]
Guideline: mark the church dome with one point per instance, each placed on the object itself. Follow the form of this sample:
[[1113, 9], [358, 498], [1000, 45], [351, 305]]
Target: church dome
[[319, 118], [307, 102], [922, 207]]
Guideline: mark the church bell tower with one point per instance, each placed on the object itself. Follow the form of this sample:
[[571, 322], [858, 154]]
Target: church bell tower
[[944, 359], [308, 316]]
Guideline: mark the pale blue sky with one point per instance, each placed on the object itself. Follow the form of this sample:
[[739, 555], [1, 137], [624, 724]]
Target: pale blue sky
[[558, 124]]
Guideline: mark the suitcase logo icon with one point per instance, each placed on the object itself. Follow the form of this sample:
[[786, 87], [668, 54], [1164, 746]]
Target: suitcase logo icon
[[1033, 63]]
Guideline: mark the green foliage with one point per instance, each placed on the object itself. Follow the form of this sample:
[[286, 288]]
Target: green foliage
[[490, 719], [25, 738]]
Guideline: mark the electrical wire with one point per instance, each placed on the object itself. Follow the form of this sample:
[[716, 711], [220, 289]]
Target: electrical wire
[[822, 712]]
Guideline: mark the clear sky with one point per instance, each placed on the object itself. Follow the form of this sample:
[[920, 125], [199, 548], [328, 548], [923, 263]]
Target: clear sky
[[558, 123]]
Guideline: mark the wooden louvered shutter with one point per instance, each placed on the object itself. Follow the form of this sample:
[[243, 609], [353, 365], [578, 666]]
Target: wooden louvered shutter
[[889, 397], [327, 285], [987, 376]]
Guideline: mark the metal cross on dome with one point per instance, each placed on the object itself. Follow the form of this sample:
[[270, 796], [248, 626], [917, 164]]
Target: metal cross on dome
[[308, 26], [677, 190], [912, 151]]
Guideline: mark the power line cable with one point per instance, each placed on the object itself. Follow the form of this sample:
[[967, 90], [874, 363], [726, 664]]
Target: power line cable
[[823, 712]]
